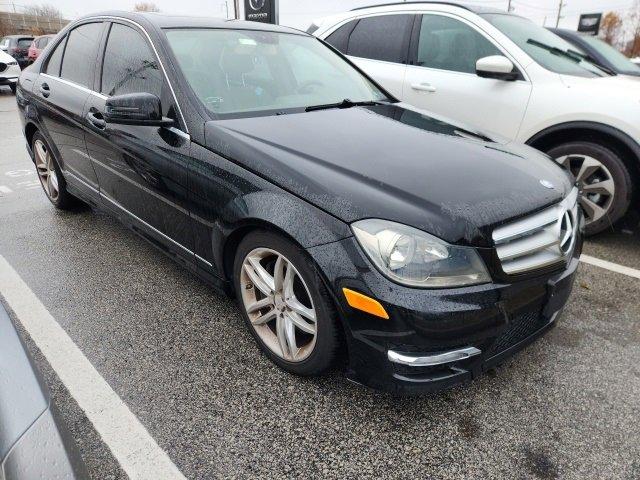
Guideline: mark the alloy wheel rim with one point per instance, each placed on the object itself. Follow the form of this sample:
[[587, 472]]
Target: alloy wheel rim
[[278, 304], [595, 182], [46, 170]]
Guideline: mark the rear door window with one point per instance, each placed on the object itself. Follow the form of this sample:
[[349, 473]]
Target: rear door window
[[340, 38], [55, 60], [383, 37], [129, 65], [25, 42], [79, 62]]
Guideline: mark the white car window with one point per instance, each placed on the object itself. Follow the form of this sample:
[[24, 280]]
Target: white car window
[[449, 44]]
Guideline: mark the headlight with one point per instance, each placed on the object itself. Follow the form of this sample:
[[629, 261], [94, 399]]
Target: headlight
[[12, 63], [412, 257]]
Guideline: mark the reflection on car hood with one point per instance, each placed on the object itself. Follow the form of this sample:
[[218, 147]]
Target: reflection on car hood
[[394, 163]]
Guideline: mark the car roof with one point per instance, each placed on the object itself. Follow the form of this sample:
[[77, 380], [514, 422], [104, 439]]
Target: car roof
[[162, 20], [472, 8], [18, 36]]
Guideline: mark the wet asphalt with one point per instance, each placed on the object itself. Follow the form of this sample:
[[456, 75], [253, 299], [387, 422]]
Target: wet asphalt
[[180, 357]]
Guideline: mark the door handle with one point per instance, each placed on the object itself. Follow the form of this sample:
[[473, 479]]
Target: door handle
[[423, 87], [45, 91], [96, 119]]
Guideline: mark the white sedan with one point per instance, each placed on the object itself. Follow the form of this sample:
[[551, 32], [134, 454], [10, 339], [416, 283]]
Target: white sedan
[[9, 71], [502, 73]]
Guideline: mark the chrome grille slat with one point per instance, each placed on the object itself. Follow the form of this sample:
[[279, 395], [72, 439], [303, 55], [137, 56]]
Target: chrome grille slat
[[540, 240], [526, 245]]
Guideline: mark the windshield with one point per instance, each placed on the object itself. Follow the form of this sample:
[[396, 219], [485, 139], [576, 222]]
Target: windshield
[[545, 47], [617, 59], [245, 72]]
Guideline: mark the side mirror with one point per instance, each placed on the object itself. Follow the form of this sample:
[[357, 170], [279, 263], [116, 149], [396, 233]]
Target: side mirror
[[136, 109], [496, 66]]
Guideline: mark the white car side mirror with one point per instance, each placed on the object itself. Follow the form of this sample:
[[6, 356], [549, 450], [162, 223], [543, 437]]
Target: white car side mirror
[[496, 66]]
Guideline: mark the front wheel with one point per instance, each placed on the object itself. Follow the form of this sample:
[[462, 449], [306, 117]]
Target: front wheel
[[285, 304], [603, 179]]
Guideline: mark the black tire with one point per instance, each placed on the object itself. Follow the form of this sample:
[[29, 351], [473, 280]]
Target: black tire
[[13, 88], [64, 200], [619, 173], [327, 343]]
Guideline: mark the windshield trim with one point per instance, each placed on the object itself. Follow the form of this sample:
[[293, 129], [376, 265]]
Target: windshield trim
[[389, 97]]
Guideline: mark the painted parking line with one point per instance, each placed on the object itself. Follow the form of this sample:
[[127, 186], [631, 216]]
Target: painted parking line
[[130, 443], [614, 267]]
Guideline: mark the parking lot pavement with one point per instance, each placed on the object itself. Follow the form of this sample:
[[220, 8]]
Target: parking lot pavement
[[182, 360]]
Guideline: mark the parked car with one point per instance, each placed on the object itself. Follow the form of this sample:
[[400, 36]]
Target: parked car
[[599, 52], [18, 47], [34, 438], [9, 71], [505, 74], [347, 224], [38, 45], [636, 60]]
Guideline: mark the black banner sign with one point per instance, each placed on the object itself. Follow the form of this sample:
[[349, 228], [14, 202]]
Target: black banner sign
[[260, 11], [590, 23]]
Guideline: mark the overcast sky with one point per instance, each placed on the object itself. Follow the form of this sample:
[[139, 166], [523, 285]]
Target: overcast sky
[[299, 13]]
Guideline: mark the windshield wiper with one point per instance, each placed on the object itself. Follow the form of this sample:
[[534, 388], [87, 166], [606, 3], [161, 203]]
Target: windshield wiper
[[572, 55], [346, 103], [575, 56]]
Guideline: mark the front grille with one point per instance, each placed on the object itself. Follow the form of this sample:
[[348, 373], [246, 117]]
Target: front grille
[[518, 329], [538, 240]]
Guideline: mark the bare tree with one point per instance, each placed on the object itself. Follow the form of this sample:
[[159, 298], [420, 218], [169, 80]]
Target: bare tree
[[611, 28], [43, 10], [146, 7], [633, 47]]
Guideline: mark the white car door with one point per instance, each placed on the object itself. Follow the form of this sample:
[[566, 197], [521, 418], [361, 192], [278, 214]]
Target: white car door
[[379, 45], [442, 77]]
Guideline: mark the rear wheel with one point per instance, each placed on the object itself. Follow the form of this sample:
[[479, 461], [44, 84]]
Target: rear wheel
[[50, 176], [603, 179], [285, 304]]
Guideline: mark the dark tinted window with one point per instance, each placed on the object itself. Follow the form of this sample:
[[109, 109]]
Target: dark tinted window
[[129, 64], [450, 44], [55, 59], [380, 38], [340, 38], [79, 61]]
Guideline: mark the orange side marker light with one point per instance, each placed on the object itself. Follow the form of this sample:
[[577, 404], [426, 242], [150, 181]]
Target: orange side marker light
[[364, 303]]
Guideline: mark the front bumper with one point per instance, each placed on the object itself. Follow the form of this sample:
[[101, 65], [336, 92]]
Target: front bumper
[[436, 339]]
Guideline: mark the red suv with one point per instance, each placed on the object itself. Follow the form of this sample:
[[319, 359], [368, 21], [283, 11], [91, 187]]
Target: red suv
[[37, 46]]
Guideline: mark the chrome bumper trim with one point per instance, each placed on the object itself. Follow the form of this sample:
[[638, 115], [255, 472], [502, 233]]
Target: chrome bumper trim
[[431, 360]]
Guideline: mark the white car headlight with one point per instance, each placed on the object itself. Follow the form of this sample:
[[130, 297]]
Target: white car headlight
[[412, 257]]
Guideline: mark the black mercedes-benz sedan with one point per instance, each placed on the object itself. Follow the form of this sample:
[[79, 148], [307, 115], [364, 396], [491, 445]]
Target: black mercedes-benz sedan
[[353, 229]]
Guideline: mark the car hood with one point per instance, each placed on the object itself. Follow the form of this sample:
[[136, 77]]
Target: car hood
[[396, 163]]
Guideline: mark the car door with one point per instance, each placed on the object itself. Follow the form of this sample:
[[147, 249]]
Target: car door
[[441, 76], [379, 45], [142, 170], [61, 91]]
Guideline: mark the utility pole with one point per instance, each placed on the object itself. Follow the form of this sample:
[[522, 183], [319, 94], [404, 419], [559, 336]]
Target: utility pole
[[236, 9], [560, 5]]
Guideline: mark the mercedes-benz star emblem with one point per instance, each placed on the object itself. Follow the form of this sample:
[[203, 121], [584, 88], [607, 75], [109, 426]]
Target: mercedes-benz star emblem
[[546, 184], [256, 4], [566, 232]]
